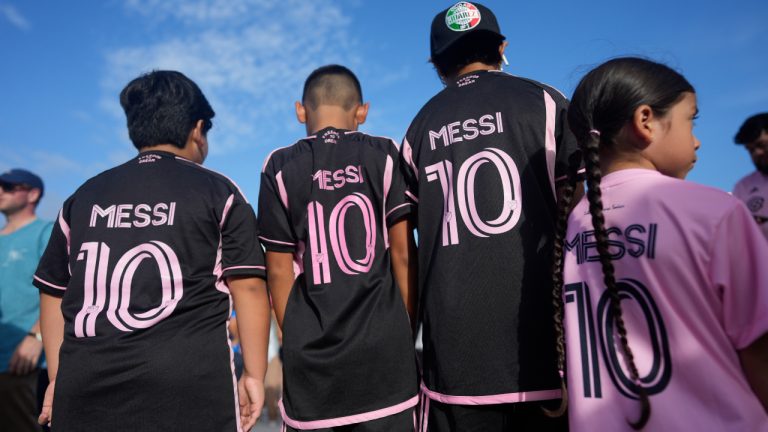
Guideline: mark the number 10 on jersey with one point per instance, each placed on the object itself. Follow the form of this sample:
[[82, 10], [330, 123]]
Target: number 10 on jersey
[[96, 257], [442, 172], [590, 338]]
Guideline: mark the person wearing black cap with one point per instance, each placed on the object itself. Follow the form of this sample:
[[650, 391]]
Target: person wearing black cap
[[484, 158], [22, 241], [753, 188]]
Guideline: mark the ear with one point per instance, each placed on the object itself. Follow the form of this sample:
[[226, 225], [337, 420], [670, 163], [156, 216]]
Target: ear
[[361, 113], [301, 113], [33, 196], [503, 47], [199, 142], [644, 125]]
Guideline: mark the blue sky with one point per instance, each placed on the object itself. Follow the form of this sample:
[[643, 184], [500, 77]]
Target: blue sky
[[64, 64]]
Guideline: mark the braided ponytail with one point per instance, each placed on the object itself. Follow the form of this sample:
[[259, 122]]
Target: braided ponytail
[[591, 149], [561, 226]]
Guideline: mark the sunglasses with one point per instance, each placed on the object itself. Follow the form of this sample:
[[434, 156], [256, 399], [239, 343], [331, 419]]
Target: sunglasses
[[8, 188]]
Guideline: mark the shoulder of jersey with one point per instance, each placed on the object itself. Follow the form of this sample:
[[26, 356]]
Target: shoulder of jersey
[[378, 142], [753, 177], [548, 88], [706, 198], [222, 178], [281, 155]]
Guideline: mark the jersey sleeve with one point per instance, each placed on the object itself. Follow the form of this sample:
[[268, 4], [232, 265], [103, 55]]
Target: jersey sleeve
[[740, 275], [52, 274], [241, 252], [275, 228], [397, 205], [567, 149]]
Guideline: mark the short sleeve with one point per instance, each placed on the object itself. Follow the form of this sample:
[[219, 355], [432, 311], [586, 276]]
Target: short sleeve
[[567, 149], [275, 228], [410, 172], [52, 274], [241, 253], [739, 272], [398, 205]]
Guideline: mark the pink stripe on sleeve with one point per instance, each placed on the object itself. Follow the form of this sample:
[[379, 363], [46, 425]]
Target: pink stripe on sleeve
[[243, 267], [224, 213], [391, 211], [387, 185], [549, 138], [58, 287], [281, 189], [269, 240], [408, 156], [343, 421], [64, 228]]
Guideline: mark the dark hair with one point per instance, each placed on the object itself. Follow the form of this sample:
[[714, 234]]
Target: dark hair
[[479, 46], [751, 129], [603, 102], [332, 85], [162, 107]]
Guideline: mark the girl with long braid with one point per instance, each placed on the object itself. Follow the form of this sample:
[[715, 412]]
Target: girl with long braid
[[664, 290]]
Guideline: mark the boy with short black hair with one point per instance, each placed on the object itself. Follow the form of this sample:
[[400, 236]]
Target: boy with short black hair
[[139, 278], [334, 220]]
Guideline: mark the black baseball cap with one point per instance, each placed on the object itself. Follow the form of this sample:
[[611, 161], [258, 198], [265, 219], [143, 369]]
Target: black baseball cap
[[459, 20], [18, 176]]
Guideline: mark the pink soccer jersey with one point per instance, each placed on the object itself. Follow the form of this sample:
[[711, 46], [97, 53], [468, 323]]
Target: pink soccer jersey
[[691, 269], [753, 190]]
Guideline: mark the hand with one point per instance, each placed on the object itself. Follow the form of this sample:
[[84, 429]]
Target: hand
[[47, 412], [25, 357], [251, 395]]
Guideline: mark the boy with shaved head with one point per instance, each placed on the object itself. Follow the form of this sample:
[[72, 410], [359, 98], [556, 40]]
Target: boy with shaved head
[[340, 257]]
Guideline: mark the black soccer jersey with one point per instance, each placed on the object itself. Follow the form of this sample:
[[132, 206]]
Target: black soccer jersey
[[348, 353], [140, 255], [483, 156]]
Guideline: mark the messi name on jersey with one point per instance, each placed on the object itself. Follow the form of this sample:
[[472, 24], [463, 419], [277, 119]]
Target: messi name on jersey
[[466, 130], [330, 180], [636, 240], [129, 215]]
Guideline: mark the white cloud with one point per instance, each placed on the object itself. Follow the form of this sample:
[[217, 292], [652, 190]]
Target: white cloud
[[14, 17], [249, 57]]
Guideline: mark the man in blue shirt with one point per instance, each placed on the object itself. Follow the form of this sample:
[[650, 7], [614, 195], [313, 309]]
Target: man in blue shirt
[[22, 242]]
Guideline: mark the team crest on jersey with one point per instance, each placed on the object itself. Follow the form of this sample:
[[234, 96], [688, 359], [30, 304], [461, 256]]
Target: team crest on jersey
[[331, 137], [462, 16], [755, 204]]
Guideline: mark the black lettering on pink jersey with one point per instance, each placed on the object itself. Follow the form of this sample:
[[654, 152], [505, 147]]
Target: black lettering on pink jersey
[[348, 353], [482, 159], [140, 255]]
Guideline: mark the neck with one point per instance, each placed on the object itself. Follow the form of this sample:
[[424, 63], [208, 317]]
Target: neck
[[16, 220], [187, 152], [330, 116], [611, 161], [474, 67]]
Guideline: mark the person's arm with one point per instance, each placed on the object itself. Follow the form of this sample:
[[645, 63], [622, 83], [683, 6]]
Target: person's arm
[[280, 281], [27, 353], [405, 265], [249, 295], [52, 328], [754, 361]]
